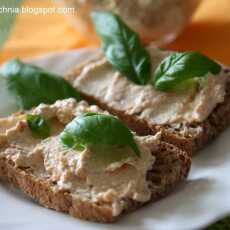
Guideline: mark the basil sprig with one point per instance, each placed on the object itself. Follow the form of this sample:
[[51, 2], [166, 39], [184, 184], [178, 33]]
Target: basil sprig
[[31, 85], [124, 51], [97, 129], [180, 67], [122, 47], [38, 125]]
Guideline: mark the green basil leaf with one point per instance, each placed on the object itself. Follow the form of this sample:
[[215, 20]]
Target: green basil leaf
[[122, 47], [31, 85], [97, 129], [38, 125], [180, 67]]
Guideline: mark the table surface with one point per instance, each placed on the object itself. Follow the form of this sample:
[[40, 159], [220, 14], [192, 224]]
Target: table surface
[[32, 35]]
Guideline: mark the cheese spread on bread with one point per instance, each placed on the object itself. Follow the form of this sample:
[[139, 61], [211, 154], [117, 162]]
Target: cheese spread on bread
[[84, 174], [100, 81]]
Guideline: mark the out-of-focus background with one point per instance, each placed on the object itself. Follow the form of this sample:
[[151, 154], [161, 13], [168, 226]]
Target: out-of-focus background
[[31, 35]]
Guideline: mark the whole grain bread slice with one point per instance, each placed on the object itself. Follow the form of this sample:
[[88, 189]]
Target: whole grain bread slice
[[171, 167], [190, 137]]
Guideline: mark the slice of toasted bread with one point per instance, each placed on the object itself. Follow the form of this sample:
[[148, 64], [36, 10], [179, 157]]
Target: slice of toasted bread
[[190, 137], [171, 167]]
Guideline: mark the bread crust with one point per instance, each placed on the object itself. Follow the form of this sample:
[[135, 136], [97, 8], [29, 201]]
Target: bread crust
[[171, 167], [216, 122]]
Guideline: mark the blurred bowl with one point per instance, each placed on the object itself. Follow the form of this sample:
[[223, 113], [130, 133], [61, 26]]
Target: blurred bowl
[[158, 21]]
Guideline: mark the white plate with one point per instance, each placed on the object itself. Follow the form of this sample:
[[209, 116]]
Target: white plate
[[201, 200]]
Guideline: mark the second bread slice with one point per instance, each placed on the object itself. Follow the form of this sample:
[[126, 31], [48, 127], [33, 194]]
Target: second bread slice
[[100, 84]]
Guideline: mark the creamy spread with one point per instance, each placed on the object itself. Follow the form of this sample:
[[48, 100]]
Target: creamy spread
[[101, 81], [87, 174]]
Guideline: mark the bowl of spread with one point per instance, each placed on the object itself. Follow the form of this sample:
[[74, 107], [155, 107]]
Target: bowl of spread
[[155, 20]]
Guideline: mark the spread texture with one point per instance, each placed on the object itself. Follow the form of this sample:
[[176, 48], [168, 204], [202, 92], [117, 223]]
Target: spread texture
[[101, 81], [97, 174]]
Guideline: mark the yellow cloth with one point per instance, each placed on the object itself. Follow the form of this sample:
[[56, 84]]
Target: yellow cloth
[[209, 32]]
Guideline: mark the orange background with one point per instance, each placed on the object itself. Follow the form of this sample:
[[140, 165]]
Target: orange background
[[208, 32]]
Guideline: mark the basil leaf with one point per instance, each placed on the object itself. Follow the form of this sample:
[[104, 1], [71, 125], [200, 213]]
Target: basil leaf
[[180, 67], [97, 129], [31, 85], [39, 126], [122, 47]]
